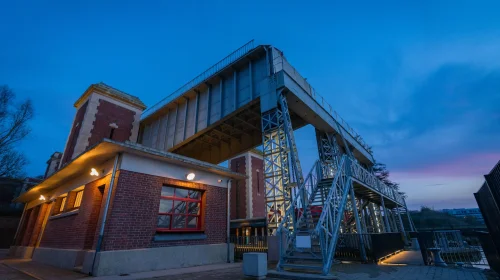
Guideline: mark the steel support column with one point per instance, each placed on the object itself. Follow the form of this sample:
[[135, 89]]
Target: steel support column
[[276, 169], [374, 219], [329, 153], [358, 224], [402, 225], [386, 218], [410, 221]]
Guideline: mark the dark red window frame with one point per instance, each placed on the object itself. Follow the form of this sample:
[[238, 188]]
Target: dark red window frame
[[194, 197]]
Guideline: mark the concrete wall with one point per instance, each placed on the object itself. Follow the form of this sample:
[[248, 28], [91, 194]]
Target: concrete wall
[[170, 170], [130, 261], [63, 258], [21, 252]]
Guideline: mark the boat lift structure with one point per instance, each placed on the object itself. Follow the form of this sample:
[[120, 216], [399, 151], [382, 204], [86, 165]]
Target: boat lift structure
[[254, 97]]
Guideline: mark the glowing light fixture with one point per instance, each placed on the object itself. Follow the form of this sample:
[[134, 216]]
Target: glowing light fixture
[[94, 172], [190, 176], [41, 197]]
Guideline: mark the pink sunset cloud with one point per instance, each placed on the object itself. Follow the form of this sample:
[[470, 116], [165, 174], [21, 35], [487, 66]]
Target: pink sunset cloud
[[465, 166]]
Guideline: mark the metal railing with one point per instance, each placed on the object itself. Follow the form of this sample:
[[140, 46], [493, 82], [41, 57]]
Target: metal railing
[[455, 248], [248, 244], [296, 210], [280, 63], [348, 247], [362, 175], [219, 66]]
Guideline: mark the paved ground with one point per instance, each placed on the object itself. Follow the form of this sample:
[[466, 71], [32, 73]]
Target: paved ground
[[10, 270], [406, 257]]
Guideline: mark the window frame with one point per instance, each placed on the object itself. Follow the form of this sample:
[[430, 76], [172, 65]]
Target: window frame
[[173, 198], [76, 199], [62, 207]]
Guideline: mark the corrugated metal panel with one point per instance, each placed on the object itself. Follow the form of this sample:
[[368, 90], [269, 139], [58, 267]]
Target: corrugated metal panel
[[146, 138], [243, 84], [191, 113], [154, 130], [228, 96], [162, 136], [171, 127], [215, 103], [179, 125], [203, 110], [259, 76]]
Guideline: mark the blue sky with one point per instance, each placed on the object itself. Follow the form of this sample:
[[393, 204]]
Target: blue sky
[[420, 81]]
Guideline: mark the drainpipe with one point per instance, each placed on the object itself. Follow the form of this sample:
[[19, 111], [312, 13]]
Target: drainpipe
[[228, 220], [105, 214]]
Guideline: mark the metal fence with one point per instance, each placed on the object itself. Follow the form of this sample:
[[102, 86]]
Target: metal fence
[[456, 248], [348, 246], [349, 249], [248, 244], [376, 245]]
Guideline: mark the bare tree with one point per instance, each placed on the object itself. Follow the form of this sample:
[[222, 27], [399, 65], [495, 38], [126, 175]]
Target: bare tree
[[382, 174], [14, 127]]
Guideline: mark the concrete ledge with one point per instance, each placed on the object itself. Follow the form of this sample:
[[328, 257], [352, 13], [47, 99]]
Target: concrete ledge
[[150, 259], [63, 258], [21, 252], [65, 214], [88, 260], [180, 236], [298, 276], [12, 251]]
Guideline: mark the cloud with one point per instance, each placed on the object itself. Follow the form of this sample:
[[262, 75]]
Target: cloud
[[452, 112]]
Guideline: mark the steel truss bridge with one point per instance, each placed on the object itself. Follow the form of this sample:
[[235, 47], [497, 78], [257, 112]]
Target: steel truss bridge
[[252, 98]]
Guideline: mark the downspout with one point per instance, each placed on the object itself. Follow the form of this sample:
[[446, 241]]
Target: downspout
[[228, 223], [105, 214]]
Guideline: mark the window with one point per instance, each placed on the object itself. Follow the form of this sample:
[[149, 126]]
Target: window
[[180, 209], [63, 202], [78, 199]]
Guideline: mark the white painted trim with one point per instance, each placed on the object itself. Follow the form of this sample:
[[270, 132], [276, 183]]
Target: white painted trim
[[249, 186], [67, 140], [163, 169]]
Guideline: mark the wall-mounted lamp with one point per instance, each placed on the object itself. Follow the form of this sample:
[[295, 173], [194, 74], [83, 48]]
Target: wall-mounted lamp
[[41, 197], [220, 180], [190, 176], [94, 172]]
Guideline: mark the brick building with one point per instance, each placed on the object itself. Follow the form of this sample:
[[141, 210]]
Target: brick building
[[248, 198], [113, 206]]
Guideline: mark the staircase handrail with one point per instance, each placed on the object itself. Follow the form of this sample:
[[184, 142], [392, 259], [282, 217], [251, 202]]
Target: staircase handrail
[[296, 199], [363, 175]]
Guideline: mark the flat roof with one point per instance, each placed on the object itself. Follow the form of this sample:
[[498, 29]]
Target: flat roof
[[105, 151]]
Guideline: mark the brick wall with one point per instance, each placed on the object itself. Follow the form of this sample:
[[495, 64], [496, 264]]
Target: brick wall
[[133, 216], [76, 231], [30, 226], [258, 191], [37, 227], [238, 196], [108, 113], [73, 135]]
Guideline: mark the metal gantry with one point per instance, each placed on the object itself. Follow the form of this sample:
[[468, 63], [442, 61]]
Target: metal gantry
[[312, 211]]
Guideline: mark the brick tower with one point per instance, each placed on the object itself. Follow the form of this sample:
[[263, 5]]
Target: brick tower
[[102, 112], [248, 198]]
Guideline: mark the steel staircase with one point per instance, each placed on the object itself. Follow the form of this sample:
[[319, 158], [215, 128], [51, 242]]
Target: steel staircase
[[325, 212]]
